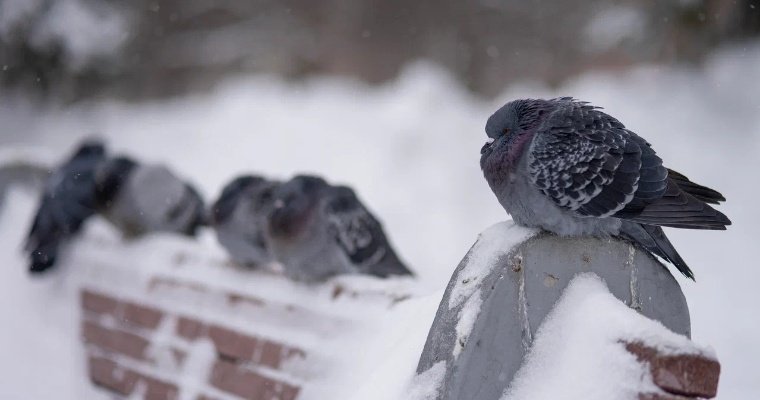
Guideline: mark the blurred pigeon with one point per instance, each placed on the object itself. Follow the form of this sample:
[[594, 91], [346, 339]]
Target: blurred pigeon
[[317, 230], [140, 199], [565, 166], [67, 201], [239, 218]]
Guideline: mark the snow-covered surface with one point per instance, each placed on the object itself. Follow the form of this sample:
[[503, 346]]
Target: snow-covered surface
[[425, 386], [410, 148], [578, 348], [493, 243], [372, 331], [26, 155], [39, 343]]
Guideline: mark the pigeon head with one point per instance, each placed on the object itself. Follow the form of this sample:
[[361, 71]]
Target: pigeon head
[[90, 148], [110, 177], [344, 199], [295, 202], [240, 186], [263, 196], [510, 127]]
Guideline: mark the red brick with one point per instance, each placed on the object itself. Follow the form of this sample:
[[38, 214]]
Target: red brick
[[686, 375], [232, 344], [191, 329], [247, 384], [141, 315], [228, 377], [271, 354], [236, 346], [156, 389], [98, 303], [106, 373], [289, 392], [114, 340], [280, 391]]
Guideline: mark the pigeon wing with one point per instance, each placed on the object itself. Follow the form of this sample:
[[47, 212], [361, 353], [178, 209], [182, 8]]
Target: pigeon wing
[[586, 161], [355, 230]]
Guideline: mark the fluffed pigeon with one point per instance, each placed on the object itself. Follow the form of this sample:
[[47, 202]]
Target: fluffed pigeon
[[239, 218], [317, 231], [566, 167], [67, 201], [140, 199]]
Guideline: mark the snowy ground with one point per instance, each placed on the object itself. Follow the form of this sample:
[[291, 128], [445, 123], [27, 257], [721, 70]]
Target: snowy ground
[[411, 149]]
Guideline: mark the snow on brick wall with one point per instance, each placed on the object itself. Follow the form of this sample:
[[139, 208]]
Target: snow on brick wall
[[166, 317], [122, 358]]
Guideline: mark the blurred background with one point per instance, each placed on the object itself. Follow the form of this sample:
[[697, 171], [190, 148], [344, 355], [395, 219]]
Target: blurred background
[[390, 97], [78, 49]]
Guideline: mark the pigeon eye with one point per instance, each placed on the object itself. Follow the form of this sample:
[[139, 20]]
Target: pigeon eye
[[505, 131]]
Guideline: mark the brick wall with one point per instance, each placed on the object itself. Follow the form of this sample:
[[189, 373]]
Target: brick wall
[[678, 376], [137, 348]]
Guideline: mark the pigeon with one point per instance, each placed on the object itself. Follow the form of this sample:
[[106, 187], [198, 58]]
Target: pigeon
[[566, 167], [67, 202], [140, 199], [317, 231], [239, 218]]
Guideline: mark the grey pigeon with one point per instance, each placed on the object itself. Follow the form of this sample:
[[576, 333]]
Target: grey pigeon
[[317, 231], [566, 167], [67, 201], [239, 218], [140, 199]]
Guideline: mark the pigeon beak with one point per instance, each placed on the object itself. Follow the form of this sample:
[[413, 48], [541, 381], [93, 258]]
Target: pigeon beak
[[278, 204], [487, 146]]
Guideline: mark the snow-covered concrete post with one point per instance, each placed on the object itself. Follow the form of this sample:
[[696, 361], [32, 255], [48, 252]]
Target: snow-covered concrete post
[[507, 284]]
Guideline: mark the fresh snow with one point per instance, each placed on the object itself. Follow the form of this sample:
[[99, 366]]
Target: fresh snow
[[410, 148], [493, 243], [578, 354], [425, 386], [39, 340]]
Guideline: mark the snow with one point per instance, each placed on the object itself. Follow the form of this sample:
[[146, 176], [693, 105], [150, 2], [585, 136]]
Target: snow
[[493, 243], [467, 316], [410, 148], [39, 342], [425, 385], [577, 348], [384, 321]]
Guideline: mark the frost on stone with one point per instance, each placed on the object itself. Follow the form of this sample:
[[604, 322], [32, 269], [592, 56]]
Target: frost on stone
[[425, 386], [577, 352], [493, 243]]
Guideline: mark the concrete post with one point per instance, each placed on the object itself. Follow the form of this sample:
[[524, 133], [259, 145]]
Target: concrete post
[[484, 337]]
